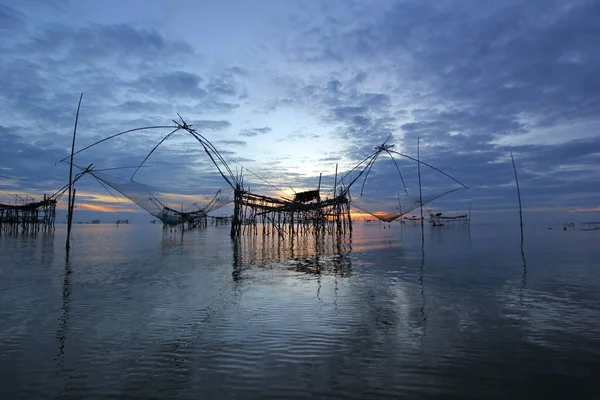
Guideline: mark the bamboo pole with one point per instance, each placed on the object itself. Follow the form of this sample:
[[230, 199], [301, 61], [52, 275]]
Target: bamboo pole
[[336, 206], [71, 199], [519, 197], [469, 214], [420, 193]]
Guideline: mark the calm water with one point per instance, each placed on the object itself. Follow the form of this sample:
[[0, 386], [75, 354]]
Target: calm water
[[142, 313]]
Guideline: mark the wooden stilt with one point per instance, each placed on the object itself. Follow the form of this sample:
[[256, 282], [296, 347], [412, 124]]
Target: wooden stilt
[[71, 198]]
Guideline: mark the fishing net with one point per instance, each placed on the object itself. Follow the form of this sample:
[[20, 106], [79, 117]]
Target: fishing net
[[389, 209], [162, 204], [387, 186]]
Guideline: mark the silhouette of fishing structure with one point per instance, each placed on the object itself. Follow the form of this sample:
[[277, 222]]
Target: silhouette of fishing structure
[[307, 212], [399, 204], [28, 216], [143, 195], [149, 198], [438, 219]]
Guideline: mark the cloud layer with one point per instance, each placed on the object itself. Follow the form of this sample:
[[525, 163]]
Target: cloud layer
[[304, 87]]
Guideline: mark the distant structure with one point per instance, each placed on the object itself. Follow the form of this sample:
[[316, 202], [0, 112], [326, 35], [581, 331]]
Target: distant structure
[[30, 217], [438, 219], [412, 220]]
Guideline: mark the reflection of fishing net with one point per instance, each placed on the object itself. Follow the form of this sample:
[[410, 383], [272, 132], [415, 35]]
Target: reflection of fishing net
[[388, 187], [192, 207]]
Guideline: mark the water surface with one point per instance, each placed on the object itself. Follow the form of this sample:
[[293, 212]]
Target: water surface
[[138, 312]]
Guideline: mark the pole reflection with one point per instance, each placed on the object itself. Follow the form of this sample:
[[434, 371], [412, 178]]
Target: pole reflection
[[320, 254], [63, 326], [423, 296]]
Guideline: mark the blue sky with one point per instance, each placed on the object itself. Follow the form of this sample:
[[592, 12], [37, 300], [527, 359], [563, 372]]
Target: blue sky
[[290, 88]]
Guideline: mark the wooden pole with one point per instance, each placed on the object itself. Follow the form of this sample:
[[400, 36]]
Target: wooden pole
[[336, 204], [72, 205], [318, 224], [469, 214], [335, 181], [420, 192], [519, 196], [71, 199]]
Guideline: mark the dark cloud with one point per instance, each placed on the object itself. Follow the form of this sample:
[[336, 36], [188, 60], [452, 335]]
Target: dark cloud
[[334, 86], [209, 105], [221, 86], [348, 112], [136, 106], [124, 44], [231, 143], [36, 162], [172, 84], [212, 125], [503, 58], [572, 152], [10, 19], [43, 74], [329, 159], [255, 131], [466, 80]]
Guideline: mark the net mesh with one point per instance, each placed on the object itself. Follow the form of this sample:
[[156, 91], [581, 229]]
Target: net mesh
[[156, 201], [389, 210], [388, 188]]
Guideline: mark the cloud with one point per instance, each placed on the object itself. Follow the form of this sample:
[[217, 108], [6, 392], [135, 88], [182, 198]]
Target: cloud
[[120, 43], [495, 58], [212, 125], [470, 82], [231, 143], [175, 83], [221, 86], [10, 19], [211, 105], [255, 131], [150, 107]]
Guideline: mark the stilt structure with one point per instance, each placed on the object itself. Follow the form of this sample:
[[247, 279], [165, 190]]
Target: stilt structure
[[28, 217], [305, 213]]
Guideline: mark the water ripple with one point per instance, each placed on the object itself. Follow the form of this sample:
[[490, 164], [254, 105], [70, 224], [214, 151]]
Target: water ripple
[[142, 313]]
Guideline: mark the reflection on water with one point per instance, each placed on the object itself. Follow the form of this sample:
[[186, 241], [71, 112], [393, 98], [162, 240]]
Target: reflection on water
[[61, 333], [142, 312], [423, 297], [325, 254]]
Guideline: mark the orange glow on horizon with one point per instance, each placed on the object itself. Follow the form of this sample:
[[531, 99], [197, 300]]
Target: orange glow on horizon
[[104, 208], [583, 210]]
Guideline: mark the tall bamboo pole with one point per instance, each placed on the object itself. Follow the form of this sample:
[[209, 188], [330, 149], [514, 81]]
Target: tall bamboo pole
[[519, 196], [420, 192], [469, 214], [335, 207], [71, 199]]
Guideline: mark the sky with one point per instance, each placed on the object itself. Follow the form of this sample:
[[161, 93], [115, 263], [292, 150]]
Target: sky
[[289, 89]]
